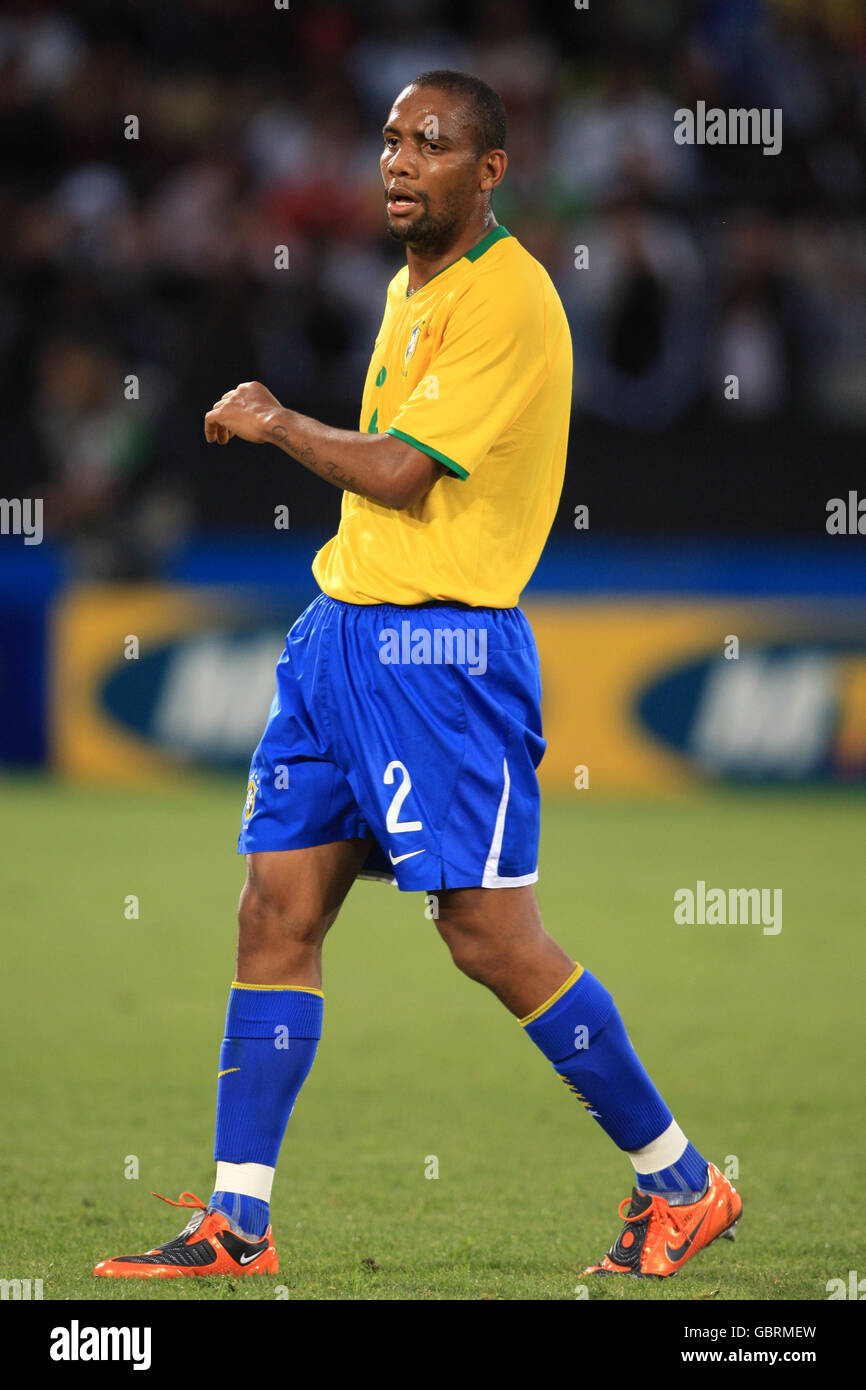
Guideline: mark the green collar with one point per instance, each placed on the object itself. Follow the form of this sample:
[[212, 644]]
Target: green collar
[[473, 254]]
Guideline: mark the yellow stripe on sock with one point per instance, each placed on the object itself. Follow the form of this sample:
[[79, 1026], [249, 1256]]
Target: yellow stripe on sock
[[226, 1072], [299, 989], [542, 1008]]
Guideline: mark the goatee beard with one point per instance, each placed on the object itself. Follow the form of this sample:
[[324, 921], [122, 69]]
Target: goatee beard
[[427, 234]]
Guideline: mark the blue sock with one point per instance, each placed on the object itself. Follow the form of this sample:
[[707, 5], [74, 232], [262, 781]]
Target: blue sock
[[580, 1031], [250, 1215], [685, 1179], [271, 1037]]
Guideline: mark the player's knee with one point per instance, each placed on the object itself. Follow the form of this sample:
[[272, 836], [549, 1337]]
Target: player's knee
[[468, 947], [275, 915]]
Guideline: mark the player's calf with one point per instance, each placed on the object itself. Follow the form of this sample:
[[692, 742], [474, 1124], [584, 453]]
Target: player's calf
[[496, 937]]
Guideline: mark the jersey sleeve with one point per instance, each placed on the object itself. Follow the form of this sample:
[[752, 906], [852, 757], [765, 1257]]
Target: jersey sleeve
[[489, 364]]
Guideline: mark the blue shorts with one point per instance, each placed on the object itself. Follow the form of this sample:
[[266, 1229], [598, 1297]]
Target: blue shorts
[[417, 727]]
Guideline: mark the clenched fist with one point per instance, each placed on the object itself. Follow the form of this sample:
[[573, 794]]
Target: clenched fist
[[247, 411]]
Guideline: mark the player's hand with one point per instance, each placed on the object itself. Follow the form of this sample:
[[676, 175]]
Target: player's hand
[[246, 411]]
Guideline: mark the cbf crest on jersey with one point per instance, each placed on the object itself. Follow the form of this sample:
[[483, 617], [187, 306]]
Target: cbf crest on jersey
[[412, 343], [252, 792]]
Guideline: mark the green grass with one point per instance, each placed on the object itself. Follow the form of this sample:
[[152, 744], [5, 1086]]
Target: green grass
[[111, 1033]]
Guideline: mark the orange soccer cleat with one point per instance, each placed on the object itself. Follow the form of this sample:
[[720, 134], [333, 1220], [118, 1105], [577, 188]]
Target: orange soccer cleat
[[206, 1245], [657, 1238]]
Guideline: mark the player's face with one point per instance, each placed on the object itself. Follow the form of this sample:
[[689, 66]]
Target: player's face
[[430, 168]]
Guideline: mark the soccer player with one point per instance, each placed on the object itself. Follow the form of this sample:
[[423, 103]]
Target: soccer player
[[406, 712]]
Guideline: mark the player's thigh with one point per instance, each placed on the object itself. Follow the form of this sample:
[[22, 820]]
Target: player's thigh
[[297, 893]]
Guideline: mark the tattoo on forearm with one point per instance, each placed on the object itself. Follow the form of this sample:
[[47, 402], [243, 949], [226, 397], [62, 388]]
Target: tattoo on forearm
[[306, 454]]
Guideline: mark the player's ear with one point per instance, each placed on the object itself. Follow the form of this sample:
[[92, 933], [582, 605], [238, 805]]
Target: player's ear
[[493, 167]]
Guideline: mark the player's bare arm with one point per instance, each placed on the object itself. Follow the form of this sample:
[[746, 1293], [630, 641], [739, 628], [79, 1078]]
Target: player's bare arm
[[380, 467]]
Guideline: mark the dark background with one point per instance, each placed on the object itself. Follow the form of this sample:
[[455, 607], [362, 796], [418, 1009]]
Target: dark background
[[257, 127]]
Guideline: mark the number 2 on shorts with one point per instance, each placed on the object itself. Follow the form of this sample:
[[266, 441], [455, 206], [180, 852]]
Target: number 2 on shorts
[[393, 823]]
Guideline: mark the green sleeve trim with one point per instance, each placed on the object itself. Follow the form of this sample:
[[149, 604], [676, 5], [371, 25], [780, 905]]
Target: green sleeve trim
[[432, 453]]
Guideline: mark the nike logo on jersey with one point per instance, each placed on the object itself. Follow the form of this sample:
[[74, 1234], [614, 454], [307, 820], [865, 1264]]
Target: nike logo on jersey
[[674, 1255], [401, 857]]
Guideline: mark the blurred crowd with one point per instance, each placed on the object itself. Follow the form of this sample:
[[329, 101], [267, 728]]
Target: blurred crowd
[[139, 278]]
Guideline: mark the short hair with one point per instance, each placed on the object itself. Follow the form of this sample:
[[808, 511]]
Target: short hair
[[488, 112]]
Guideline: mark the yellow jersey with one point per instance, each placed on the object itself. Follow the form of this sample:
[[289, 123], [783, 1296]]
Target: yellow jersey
[[473, 368]]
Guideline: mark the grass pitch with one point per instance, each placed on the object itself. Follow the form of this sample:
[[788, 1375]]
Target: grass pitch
[[111, 1029]]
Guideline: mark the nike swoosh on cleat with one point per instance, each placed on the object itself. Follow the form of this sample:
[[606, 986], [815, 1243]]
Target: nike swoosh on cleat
[[401, 857], [248, 1259], [674, 1255]]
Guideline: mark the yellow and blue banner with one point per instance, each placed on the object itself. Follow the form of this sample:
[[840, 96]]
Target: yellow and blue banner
[[640, 695]]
